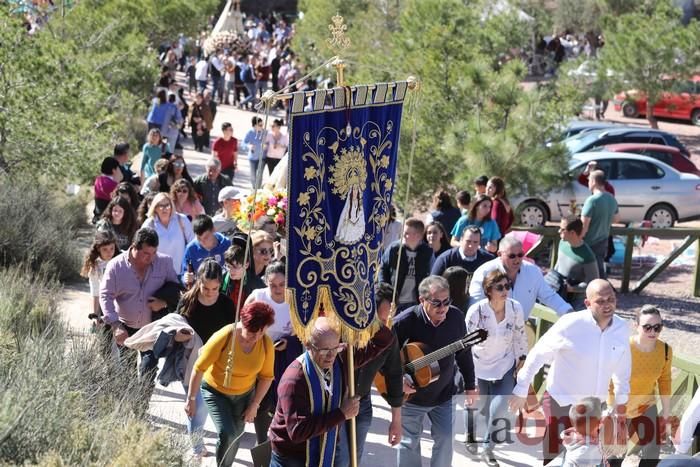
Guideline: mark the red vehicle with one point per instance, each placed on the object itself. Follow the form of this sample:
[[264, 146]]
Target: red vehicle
[[666, 154], [681, 102]]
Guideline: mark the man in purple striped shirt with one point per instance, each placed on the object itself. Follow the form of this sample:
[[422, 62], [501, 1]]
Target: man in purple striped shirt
[[128, 287]]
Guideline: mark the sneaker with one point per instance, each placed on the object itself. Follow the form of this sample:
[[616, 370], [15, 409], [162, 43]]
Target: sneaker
[[488, 458], [471, 446]]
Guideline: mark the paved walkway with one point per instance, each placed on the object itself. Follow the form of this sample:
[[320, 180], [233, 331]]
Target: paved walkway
[[167, 403]]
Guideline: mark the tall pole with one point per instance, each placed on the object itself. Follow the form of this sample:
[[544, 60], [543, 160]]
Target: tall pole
[[339, 66]]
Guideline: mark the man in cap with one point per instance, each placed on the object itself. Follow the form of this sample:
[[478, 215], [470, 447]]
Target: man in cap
[[230, 201]]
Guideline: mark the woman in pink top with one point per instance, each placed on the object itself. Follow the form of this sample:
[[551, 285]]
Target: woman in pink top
[[186, 202]]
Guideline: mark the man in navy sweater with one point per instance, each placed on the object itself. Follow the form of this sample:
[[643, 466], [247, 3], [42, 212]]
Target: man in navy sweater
[[433, 321], [468, 255]]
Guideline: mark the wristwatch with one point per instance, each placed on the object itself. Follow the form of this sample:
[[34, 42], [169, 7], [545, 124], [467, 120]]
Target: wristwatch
[[522, 358]]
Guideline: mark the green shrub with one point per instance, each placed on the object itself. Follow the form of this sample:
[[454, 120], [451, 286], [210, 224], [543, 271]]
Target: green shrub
[[38, 229], [61, 402]]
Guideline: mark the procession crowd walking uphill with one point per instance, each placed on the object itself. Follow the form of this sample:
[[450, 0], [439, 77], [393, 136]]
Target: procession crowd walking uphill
[[177, 273]]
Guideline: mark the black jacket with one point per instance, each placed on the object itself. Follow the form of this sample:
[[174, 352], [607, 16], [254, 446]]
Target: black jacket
[[390, 258]]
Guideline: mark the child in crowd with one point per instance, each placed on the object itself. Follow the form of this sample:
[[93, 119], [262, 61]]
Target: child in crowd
[[103, 249], [581, 440], [480, 185], [151, 152]]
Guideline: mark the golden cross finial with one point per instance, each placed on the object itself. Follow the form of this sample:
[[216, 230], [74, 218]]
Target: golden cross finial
[[338, 41]]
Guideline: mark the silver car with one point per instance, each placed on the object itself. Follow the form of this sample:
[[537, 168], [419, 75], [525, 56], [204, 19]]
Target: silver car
[[645, 189]]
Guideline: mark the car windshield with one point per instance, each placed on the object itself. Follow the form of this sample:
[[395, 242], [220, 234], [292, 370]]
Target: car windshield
[[580, 141]]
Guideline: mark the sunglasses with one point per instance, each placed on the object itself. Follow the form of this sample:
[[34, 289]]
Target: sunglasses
[[501, 287], [178, 164], [513, 255], [265, 251], [182, 190], [655, 327], [163, 206], [440, 303]]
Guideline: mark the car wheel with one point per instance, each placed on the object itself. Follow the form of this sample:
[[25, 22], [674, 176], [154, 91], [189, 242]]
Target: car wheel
[[695, 117], [629, 109], [533, 214], [661, 215]]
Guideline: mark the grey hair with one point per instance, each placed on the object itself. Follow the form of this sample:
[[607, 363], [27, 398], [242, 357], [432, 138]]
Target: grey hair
[[213, 162], [586, 408], [432, 282], [509, 241]]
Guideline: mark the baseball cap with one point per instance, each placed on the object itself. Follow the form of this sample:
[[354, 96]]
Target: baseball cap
[[229, 192]]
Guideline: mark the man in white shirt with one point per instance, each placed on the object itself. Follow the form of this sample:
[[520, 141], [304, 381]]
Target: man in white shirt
[[690, 426], [526, 279], [585, 350], [201, 74]]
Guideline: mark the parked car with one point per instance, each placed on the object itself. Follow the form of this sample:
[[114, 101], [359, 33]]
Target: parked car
[[581, 126], [595, 138], [682, 101], [666, 154], [645, 189]]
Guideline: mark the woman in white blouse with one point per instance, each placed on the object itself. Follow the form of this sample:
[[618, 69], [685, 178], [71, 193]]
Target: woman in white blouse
[[174, 229], [499, 357]]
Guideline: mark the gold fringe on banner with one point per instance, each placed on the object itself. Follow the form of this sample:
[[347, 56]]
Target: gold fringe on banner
[[358, 338]]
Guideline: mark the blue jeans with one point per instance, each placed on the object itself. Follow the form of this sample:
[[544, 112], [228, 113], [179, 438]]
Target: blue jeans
[[195, 425], [254, 163], [281, 461], [227, 413], [493, 400], [363, 422], [202, 85], [252, 93], [441, 423]]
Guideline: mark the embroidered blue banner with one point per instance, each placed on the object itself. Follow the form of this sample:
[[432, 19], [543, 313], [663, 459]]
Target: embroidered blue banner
[[342, 165]]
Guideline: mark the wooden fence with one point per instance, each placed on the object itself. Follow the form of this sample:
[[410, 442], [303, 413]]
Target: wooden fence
[[550, 236]]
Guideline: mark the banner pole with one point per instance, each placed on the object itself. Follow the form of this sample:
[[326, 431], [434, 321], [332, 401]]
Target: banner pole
[[351, 394]]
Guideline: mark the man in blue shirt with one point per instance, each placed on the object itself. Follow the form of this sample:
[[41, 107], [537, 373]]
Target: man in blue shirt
[[254, 140], [436, 322], [467, 255], [208, 244]]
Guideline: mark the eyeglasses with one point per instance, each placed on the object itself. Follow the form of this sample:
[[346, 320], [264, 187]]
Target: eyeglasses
[[182, 190], [265, 251], [329, 352], [163, 206], [439, 303], [655, 327], [501, 287], [513, 255]]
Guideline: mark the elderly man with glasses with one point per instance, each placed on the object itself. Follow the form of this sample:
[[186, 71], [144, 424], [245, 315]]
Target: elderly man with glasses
[[527, 281], [311, 402], [435, 322]]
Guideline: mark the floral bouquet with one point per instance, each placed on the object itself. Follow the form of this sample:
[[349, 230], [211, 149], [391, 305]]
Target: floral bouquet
[[270, 204]]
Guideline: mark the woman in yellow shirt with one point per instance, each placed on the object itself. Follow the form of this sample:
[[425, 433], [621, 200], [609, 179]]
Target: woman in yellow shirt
[[231, 407], [651, 370]]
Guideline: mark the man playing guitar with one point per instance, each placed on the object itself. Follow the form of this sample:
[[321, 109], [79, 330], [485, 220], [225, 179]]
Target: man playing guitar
[[433, 321]]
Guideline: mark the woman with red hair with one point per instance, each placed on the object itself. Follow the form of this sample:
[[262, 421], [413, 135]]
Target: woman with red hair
[[232, 406]]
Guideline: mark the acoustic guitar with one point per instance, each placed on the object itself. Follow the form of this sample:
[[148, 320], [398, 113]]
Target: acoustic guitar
[[423, 368]]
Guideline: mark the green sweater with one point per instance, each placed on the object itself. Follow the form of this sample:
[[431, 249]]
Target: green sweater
[[577, 264]]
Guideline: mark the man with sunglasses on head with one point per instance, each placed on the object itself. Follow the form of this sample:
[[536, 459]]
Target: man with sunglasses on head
[[436, 323], [527, 282], [585, 351]]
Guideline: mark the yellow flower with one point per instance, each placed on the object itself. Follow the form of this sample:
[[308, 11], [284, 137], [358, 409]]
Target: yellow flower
[[303, 198], [384, 161], [309, 173], [388, 184]]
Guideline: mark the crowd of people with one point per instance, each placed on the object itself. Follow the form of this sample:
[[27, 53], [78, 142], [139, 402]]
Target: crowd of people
[[173, 277]]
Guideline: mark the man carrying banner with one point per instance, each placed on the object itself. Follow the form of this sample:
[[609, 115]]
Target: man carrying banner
[[311, 403]]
